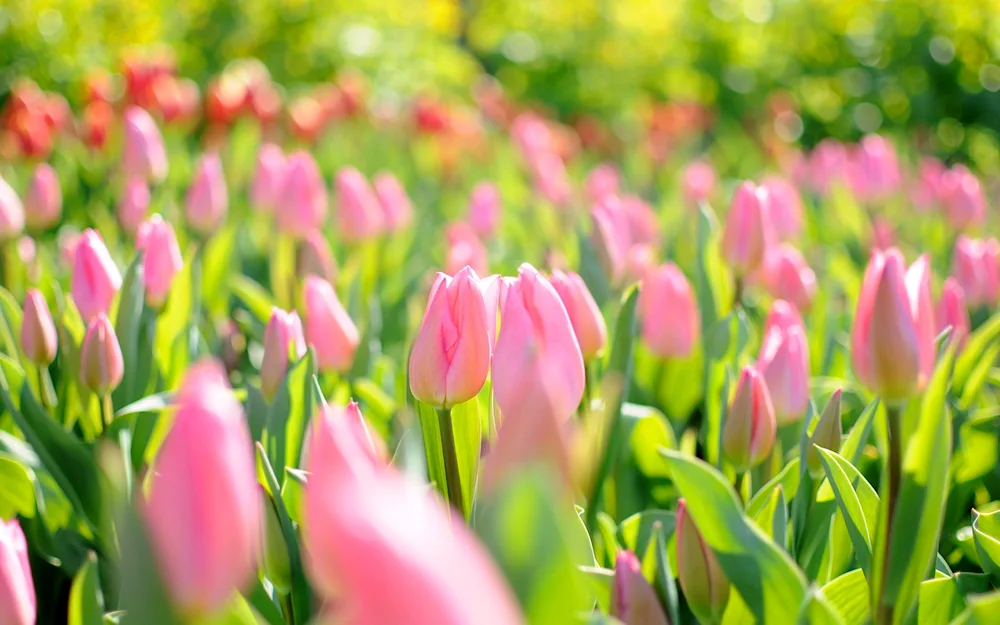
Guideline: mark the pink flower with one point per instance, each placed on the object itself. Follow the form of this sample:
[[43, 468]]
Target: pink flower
[[268, 178], [785, 207], [873, 170], [316, 258], [602, 181], [643, 225], [610, 236], [787, 276], [143, 154], [301, 204], [925, 192], [207, 198], [827, 165], [358, 212], [952, 312], [963, 198], [976, 267], [162, 259], [484, 209], [464, 249], [101, 364], [397, 210], [633, 600], [588, 322], [38, 333], [43, 202], [133, 205], [698, 182], [671, 325], [11, 212], [328, 327], [784, 363], [17, 590], [705, 586], [749, 431], [551, 179], [283, 341], [96, 278], [747, 233]]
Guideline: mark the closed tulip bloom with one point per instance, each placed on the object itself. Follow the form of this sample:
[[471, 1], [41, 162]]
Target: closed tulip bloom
[[17, 590], [316, 258], [953, 313], [588, 322], [827, 165], [963, 198], [975, 267], [785, 207], [698, 182], [43, 202], [451, 354], [633, 600], [397, 210], [643, 225], [133, 205], [161, 260], [610, 237], [268, 178], [828, 434], [926, 192], [640, 260], [359, 216], [38, 333], [705, 585], [484, 209], [749, 430], [11, 212], [602, 181], [203, 508], [537, 363], [668, 313], [366, 528], [464, 249], [96, 278], [784, 363], [208, 198], [328, 327], [143, 154], [551, 179], [301, 204], [873, 169], [892, 343], [370, 441], [283, 341], [782, 315], [101, 363], [787, 276], [746, 235]]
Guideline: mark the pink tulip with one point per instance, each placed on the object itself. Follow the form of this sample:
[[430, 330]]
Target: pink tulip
[[370, 441], [892, 343], [537, 363], [358, 212], [38, 332], [268, 178], [551, 179], [610, 236], [883, 234], [283, 341], [787, 276], [328, 327], [785, 207], [134, 204], [749, 431], [747, 232], [397, 210], [484, 209], [873, 170], [976, 269], [101, 364], [639, 261], [643, 225], [143, 155], [207, 198], [301, 204], [926, 192], [588, 322], [367, 528], [633, 600], [782, 315], [602, 181], [698, 182], [96, 278], [705, 585], [11, 212], [451, 354], [162, 260], [827, 165], [531, 134], [203, 509], [963, 198], [43, 202], [464, 249], [952, 312], [671, 325], [17, 590], [784, 363], [316, 258]]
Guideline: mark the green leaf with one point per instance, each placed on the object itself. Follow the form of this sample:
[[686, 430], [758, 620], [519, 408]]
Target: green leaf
[[787, 480], [650, 431], [848, 594], [468, 446], [143, 593], [854, 443], [976, 346], [157, 402], [17, 489], [940, 602], [288, 415], [772, 517], [86, 603], [262, 603], [818, 610], [664, 584], [217, 264], [859, 525], [636, 532], [128, 324], [986, 537], [764, 575], [256, 298]]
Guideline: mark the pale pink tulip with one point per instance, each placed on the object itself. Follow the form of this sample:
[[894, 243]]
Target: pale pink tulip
[[873, 169], [749, 431], [43, 202], [747, 233], [633, 600], [11, 212], [283, 341], [588, 322], [143, 154], [602, 181], [101, 363], [207, 198], [316, 258], [328, 327], [301, 204], [133, 205], [610, 236], [38, 332], [785, 207], [464, 249], [784, 363], [17, 590], [827, 165], [668, 313], [96, 278], [162, 259], [359, 216], [963, 198], [643, 225], [952, 312], [551, 180], [698, 182], [484, 209], [925, 191], [975, 267], [268, 178], [397, 210], [787, 276]]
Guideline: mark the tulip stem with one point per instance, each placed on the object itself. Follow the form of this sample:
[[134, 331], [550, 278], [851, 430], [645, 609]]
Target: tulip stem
[[737, 293], [41, 388], [107, 410], [738, 485], [449, 453], [894, 414], [287, 607]]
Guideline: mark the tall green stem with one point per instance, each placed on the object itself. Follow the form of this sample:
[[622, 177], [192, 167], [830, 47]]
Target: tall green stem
[[453, 476], [107, 411], [895, 429]]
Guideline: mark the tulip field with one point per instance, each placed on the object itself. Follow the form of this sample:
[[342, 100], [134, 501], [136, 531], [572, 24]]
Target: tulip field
[[328, 357]]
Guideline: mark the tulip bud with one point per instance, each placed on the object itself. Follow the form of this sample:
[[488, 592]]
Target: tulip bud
[[668, 312], [610, 238], [952, 313], [537, 363], [316, 258], [746, 236], [283, 340], [827, 434], [749, 430], [892, 343], [143, 154], [640, 261], [301, 204], [643, 225], [207, 198], [38, 333], [484, 209], [370, 442], [976, 269], [43, 203], [11, 212], [551, 179], [134, 204], [451, 354], [603, 180], [784, 363], [698, 182], [397, 211], [161, 261], [873, 171], [633, 601], [359, 216], [464, 249], [785, 207], [96, 278], [17, 591], [268, 178], [787, 276], [274, 550], [203, 507], [927, 192], [101, 364], [705, 585], [588, 322], [827, 165], [328, 327], [963, 198]]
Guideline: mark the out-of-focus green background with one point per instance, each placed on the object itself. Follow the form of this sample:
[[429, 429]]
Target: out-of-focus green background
[[849, 66]]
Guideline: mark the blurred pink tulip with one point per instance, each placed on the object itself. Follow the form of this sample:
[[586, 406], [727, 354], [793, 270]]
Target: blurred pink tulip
[[892, 343], [610, 236], [316, 258], [705, 585], [370, 442], [450, 358], [963, 198], [283, 341], [782, 315], [96, 278], [301, 204], [873, 169], [787, 276], [162, 259], [827, 165], [133, 205], [531, 134], [43, 202], [484, 209], [207, 198], [976, 267], [602, 181], [101, 364], [268, 178], [328, 327], [883, 234], [203, 509], [551, 179], [588, 322], [747, 233], [38, 332], [749, 431], [667, 310], [397, 210], [359, 216], [143, 154], [11, 212], [633, 600], [17, 590], [698, 182], [784, 363], [464, 249], [785, 207], [366, 528], [643, 225], [537, 363], [952, 312], [925, 191]]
